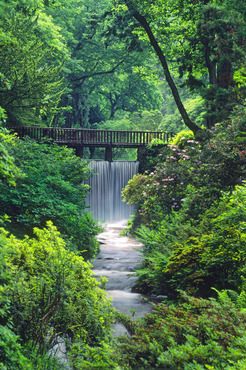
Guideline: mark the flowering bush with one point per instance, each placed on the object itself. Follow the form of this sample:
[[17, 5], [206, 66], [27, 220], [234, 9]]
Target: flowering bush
[[191, 172], [163, 190], [189, 180]]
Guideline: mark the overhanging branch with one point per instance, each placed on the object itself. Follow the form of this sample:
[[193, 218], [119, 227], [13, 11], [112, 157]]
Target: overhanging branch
[[93, 74], [144, 23]]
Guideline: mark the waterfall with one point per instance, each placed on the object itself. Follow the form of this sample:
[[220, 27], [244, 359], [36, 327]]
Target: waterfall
[[104, 198]]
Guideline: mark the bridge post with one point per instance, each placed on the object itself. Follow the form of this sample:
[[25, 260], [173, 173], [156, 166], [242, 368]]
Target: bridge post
[[108, 154], [92, 151], [79, 151], [140, 153]]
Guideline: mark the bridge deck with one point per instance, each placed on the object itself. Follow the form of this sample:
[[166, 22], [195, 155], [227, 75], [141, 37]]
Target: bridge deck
[[92, 138]]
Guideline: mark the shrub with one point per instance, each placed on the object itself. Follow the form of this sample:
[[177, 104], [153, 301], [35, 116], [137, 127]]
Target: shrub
[[9, 172], [194, 334], [217, 259], [194, 173], [52, 293], [11, 352], [191, 261], [52, 189], [99, 357], [149, 156], [156, 250], [181, 138]]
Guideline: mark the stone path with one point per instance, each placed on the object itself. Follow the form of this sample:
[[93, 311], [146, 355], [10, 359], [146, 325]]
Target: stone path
[[117, 261]]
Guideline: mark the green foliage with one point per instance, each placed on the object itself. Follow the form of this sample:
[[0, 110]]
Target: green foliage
[[149, 157], [155, 143], [163, 189], [156, 251], [189, 176], [172, 120], [11, 356], [194, 334], [206, 51], [197, 254], [14, 353], [51, 292], [230, 296], [103, 72], [187, 186], [100, 357], [182, 137], [3, 115], [31, 57], [215, 259], [52, 189], [150, 274], [133, 189], [146, 120], [9, 172]]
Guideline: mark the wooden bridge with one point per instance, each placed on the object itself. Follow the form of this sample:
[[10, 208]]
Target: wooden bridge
[[80, 138]]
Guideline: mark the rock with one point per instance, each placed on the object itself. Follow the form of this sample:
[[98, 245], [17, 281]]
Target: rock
[[161, 298]]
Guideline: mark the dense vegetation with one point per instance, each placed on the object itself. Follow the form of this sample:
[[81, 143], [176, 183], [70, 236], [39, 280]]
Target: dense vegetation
[[125, 64]]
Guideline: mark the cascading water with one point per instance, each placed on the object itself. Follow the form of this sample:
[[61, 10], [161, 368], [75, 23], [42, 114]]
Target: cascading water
[[118, 257], [105, 199]]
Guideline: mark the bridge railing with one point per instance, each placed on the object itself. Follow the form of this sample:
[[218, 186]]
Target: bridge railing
[[89, 136]]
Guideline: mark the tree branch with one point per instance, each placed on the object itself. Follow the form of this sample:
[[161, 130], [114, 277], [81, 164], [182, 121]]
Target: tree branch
[[110, 71], [144, 23]]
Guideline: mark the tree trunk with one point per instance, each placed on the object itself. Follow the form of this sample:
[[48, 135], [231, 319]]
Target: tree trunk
[[142, 20]]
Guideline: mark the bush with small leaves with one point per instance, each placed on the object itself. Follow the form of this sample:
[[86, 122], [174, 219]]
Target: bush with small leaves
[[193, 334], [52, 293], [51, 188]]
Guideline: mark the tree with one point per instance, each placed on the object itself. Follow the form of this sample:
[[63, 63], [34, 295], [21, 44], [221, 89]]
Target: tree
[[32, 51], [126, 91], [201, 39], [102, 74]]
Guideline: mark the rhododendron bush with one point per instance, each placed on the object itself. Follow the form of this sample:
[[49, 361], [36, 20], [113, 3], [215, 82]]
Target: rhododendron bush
[[207, 169], [182, 204]]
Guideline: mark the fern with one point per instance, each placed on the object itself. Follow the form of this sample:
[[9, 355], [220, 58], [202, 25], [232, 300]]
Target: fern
[[148, 238], [230, 296], [223, 297], [241, 302], [233, 295]]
